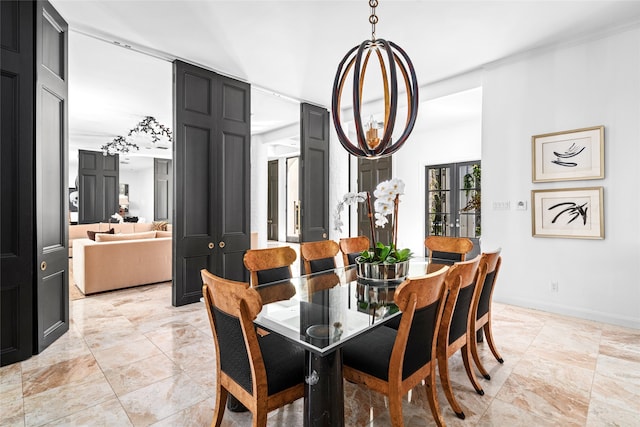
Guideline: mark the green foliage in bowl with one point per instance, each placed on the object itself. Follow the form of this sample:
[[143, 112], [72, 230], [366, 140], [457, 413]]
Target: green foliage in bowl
[[385, 254]]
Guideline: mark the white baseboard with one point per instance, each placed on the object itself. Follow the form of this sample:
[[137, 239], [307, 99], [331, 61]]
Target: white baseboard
[[565, 310]]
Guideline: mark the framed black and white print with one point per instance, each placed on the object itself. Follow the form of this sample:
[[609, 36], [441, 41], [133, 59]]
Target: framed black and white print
[[570, 155], [568, 212]]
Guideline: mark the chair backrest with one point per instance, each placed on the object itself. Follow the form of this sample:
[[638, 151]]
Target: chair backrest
[[460, 282], [486, 281], [448, 250], [232, 306], [421, 301], [352, 247], [269, 265], [319, 256]]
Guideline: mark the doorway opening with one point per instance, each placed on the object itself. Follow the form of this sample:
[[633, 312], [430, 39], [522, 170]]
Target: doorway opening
[[293, 199]]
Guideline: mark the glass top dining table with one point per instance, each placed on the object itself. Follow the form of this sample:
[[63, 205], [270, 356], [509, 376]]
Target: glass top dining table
[[320, 312]]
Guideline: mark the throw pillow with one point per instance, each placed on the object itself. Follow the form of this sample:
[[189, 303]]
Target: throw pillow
[[159, 225], [164, 234], [92, 234]]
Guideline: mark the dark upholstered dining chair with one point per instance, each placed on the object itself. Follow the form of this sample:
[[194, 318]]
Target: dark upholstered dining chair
[[262, 372], [456, 322], [269, 265], [319, 256], [352, 247], [481, 316], [447, 250], [393, 361]]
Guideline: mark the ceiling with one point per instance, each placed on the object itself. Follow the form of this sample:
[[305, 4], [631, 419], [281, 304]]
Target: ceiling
[[289, 50]]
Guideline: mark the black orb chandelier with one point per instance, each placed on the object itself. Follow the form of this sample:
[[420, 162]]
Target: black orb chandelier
[[369, 143]]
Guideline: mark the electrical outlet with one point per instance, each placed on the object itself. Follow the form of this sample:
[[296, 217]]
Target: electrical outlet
[[554, 286]]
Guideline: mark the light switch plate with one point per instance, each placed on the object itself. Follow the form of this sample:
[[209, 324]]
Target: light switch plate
[[501, 206]]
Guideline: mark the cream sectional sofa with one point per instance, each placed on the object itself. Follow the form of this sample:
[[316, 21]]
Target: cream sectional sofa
[[79, 231], [116, 261]]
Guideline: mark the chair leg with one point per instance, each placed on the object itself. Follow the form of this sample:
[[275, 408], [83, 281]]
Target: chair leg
[[466, 350], [476, 357], [489, 334], [443, 368], [260, 418], [395, 409], [221, 403], [430, 386]]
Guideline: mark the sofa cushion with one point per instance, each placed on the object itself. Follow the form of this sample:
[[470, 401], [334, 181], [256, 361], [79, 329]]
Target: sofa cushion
[[120, 227], [164, 234], [130, 236], [142, 226], [92, 234]]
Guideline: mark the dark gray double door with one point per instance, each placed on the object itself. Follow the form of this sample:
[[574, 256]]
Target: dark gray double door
[[211, 158]]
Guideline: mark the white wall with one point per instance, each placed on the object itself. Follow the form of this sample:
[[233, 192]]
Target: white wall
[[596, 82], [434, 141], [259, 189], [434, 144]]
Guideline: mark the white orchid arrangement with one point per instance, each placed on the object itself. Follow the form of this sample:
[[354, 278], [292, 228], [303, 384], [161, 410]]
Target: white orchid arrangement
[[348, 199], [387, 195]]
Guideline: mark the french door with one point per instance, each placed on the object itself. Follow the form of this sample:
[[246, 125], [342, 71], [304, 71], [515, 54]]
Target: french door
[[453, 201]]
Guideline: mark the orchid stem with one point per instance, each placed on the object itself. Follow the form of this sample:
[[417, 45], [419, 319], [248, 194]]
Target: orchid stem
[[395, 221], [370, 214]]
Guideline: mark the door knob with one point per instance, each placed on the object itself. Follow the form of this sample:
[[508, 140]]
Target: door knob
[[221, 244], [43, 265], [210, 245]]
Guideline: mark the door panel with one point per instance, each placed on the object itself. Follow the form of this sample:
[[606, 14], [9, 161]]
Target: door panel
[[212, 179], [52, 290], [370, 173], [314, 172], [17, 184], [98, 186], [233, 197]]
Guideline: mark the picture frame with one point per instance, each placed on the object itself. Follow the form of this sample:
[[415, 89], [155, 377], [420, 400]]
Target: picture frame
[[569, 155], [576, 213]]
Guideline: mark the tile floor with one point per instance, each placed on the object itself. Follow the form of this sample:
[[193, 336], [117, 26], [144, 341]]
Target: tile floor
[[130, 358]]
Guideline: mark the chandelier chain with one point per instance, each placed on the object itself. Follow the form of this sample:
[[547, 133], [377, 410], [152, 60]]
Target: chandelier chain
[[373, 18]]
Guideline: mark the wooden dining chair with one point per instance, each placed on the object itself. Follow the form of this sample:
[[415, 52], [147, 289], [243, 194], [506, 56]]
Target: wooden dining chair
[[456, 322], [393, 361], [447, 250], [318, 256], [269, 265], [352, 247], [243, 358], [481, 316]]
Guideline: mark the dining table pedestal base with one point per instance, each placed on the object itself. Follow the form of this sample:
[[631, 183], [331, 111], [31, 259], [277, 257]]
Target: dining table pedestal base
[[323, 398]]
